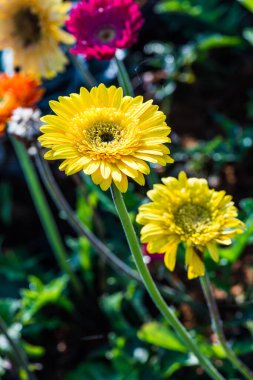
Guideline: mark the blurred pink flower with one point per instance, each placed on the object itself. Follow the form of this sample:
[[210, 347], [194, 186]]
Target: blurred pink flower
[[102, 26], [150, 258]]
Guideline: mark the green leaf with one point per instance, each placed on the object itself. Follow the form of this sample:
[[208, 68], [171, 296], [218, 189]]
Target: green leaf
[[243, 347], [112, 305], [31, 350], [211, 350], [8, 309], [248, 35], [161, 336], [174, 362], [23, 374], [217, 41], [247, 4], [179, 7], [39, 295]]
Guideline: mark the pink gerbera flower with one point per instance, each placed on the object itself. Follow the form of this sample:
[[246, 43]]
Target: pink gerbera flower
[[102, 26]]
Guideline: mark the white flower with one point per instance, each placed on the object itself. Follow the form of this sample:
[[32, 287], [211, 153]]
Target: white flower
[[25, 123]]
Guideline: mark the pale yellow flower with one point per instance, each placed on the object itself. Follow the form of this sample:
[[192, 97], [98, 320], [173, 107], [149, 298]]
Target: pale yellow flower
[[108, 136], [187, 210], [33, 30]]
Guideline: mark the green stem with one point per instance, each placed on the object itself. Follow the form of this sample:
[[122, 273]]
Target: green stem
[[153, 290], [44, 212], [62, 204], [81, 230], [123, 78], [17, 351], [87, 77], [218, 327]]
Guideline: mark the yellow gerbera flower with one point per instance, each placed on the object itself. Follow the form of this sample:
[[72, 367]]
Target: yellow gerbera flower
[[32, 28], [106, 135], [186, 210]]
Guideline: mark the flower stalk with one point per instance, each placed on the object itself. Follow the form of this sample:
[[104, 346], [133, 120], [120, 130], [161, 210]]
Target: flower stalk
[[113, 260], [45, 215], [88, 79], [151, 287], [20, 356], [218, 328], [123, 77], [73, 220]]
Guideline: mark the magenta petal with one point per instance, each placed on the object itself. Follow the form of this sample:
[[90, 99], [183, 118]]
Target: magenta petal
[[103, 26]]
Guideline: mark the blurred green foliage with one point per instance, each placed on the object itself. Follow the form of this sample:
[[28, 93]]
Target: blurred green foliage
[[114, 332]]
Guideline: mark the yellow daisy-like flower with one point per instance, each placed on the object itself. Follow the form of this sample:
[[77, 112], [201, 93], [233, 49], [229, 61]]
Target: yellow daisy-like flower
[[106, 135], [32, 28], [187, 210]]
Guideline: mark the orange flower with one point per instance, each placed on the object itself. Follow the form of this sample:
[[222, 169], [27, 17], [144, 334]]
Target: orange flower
[[7, 105], [18, 90]]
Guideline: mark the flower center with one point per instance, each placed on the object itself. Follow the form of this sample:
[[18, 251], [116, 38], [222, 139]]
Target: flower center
[[192, 218], [107, 35], [27, 25], [103, 134], [106, 137]]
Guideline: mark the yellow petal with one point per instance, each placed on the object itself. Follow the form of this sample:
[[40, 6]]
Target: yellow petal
[[182, 178], [86, 98], [196, 266], [106, 183], [49, 155], [123, 184], [130, 172], [91, 167], [105, 169], [102, 95], [140, 179], [97, 177], [116, 174], [117, 98], [170, 257], [213, 250]]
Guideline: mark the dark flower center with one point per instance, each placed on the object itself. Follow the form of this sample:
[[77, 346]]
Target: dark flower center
[[103, 134], [106, 137], [107, 35], [27, 25]]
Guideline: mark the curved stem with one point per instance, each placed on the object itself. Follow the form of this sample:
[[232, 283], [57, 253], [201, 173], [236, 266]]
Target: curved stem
[[18, 352], [218, 327], [123, 77], [153, 290], [72, 219], [44, 212], [81, 230], [85, 74]]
